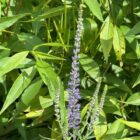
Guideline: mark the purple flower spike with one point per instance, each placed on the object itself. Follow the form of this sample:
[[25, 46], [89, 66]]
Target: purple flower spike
[[73, 84]]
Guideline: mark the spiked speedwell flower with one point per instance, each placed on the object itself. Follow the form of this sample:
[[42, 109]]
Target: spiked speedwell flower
[[73, 84]]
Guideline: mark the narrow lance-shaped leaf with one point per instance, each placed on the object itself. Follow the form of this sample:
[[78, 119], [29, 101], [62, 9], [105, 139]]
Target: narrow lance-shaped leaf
[[90, 66], [118, 43], [42, 55], [6, 22], [12, 62], [134, 99], [94, 7], [132, 124], [51, 12], [17, 88], [53, 82], [106, 37], [48, 76]]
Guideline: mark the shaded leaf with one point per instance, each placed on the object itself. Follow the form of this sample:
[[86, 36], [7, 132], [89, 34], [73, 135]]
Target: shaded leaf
[[137, 81], [135, 30], [55, 134], [116, 82], [6, 22], [51, 13], [118, 43], [106, 37]]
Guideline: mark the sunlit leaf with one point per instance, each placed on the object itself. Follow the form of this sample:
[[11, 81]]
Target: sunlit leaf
[[94, 7], [134, 99], [130, 138], [132, 124], [115, 130], [17, 88], [12, 63], [32, 114], [118, 43], [106, 37], [101, 127], [31, 91]]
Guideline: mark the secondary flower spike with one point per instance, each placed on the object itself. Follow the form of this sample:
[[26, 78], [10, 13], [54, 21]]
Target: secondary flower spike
[[73, 84]]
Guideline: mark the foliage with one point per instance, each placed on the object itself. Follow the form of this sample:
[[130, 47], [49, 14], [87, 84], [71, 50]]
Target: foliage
[[37, 40]]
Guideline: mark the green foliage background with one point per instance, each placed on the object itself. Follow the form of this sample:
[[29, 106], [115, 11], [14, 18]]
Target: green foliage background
[[36, 42]]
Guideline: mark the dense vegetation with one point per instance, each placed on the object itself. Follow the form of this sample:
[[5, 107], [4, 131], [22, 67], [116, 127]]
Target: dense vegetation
[[36, 47]]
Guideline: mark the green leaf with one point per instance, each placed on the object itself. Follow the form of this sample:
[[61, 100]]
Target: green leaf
[[60, 91], [26, 41], [132, 124], [42, 55], [20, 125], [135, 30], [134, 99], [32, 114], [24, 64], [48, 76], [53, 44], [115, 130], [116, 82], [137, 81], [13, 62], [94, 7], [30, 93], [18, 87], [106, 37], [90, 66], [130, 138], [6, 22], [54, 84], [118, 43], [111, 106], [90, 31], [100, 127], [4, 52], [84, 111], [45, 102], [51, 13], [55, 133]]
